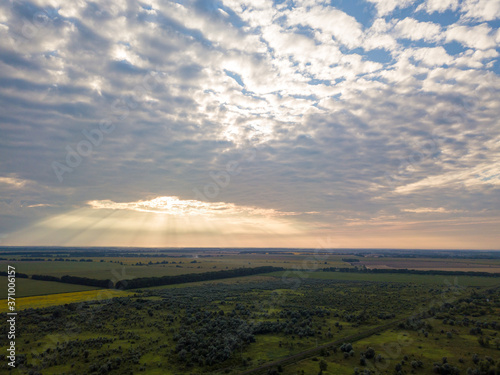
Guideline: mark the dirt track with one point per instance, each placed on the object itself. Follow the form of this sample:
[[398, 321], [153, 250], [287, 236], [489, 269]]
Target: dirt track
[[310, 352]]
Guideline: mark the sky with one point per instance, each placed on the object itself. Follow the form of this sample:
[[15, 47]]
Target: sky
[[237, 123]]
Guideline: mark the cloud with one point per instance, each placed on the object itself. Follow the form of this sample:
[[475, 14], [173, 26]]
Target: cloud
[[432, 56], [385, 7], [163, 219], [440, 6], [412, 29], [475, 177], [13, 182], [477, 10], [482, 10], [480, 36], [349, 115], [178, 207], [424, 210], [330, 21], [40, 205]]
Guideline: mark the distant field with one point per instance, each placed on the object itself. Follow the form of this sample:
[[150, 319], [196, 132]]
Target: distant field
[[28, 287], [233, 280], [63, 298], [128, 270], [104, 270], [394, 277], [479, 265]]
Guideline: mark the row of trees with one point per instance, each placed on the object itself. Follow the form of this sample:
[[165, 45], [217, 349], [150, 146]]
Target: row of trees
[[363, 269], [20, 275], [145, 282], [76, 280]]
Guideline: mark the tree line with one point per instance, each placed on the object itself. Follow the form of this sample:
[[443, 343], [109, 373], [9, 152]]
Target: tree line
[[412, 272], [20, 275], [76, 280], [145, 282]]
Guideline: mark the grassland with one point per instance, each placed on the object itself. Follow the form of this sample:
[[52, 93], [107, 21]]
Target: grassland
[[28, 287], [151, 330], [477, 265], [233, 280], [398, 346], [464, 281], [127, 268]]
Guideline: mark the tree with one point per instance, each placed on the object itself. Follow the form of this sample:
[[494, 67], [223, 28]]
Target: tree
[[370, 353], [346, 347], [323, 365], [416, 364]]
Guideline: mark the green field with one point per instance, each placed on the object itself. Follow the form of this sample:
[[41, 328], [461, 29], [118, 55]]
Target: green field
[[463, 281], [115, 270], [28, 287], [233, 280]]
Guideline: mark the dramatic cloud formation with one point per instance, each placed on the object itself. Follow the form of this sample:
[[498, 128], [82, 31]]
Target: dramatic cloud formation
[[275, 123], [177, 207]]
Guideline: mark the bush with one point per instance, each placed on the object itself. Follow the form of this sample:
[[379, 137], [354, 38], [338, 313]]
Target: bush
[[370, 353]]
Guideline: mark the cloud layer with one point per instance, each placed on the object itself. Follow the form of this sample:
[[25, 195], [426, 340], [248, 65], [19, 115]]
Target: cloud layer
[[347, 115]]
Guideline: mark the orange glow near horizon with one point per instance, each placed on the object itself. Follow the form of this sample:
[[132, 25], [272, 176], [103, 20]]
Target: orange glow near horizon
[[172, 222]]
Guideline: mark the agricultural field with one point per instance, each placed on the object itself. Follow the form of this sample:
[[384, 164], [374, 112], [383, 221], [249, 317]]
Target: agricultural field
[[35, 302], [123, 268], [458, 281], [476, 265], [28, 287]]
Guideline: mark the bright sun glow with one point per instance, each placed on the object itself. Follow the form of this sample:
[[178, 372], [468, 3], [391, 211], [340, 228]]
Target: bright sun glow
[[169, 221], [179, 207]]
